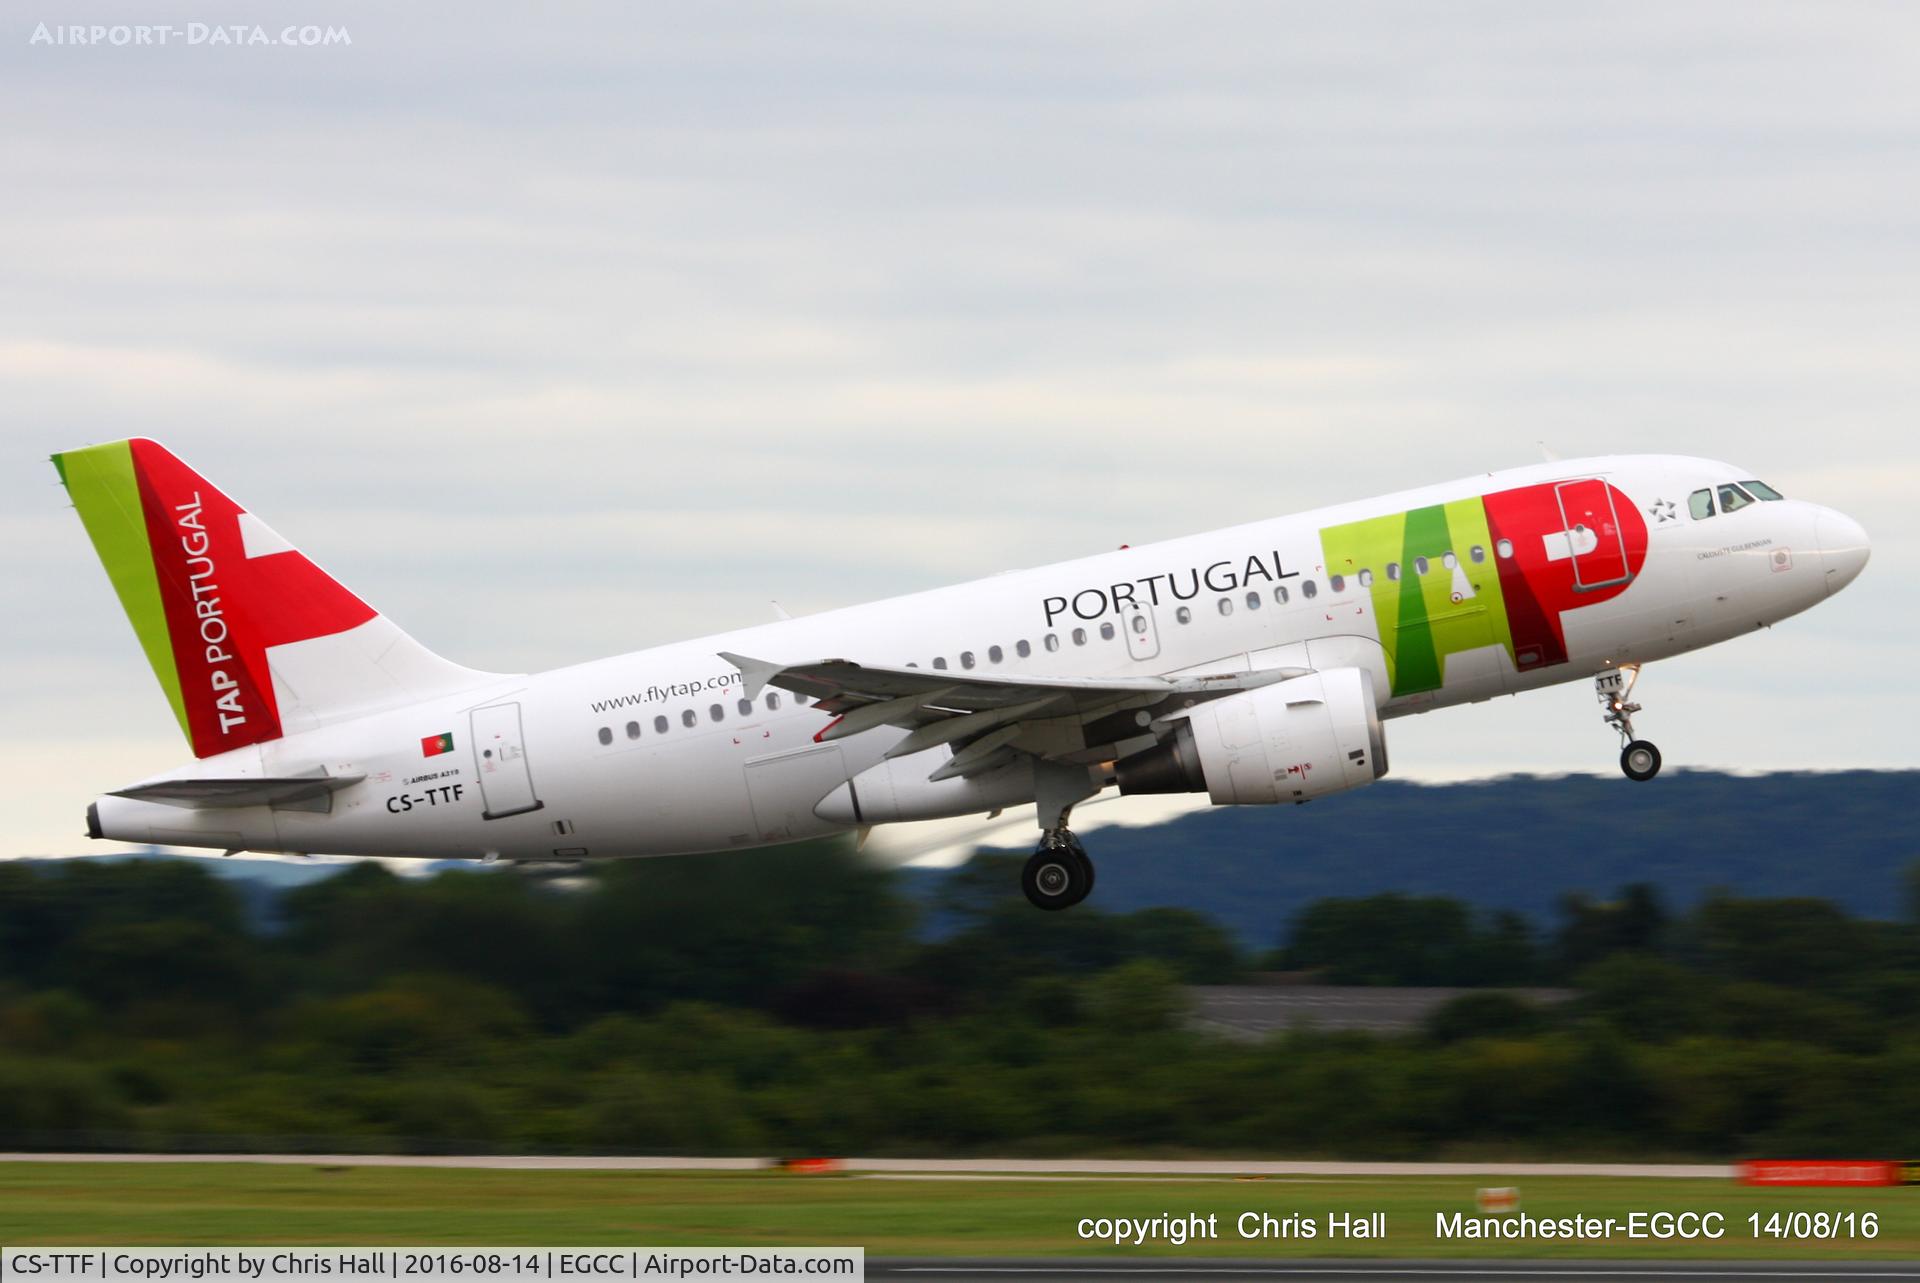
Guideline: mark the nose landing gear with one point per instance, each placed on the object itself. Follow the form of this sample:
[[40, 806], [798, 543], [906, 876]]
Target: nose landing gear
[[1639, 759], [1058, 875]]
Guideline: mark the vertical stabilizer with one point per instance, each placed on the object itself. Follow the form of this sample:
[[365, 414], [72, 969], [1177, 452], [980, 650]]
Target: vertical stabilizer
[[249, 638]]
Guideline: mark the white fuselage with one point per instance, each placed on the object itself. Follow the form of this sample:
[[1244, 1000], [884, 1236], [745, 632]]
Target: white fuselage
[[659, 751]]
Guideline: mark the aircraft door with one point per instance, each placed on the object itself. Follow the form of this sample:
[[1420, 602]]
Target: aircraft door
[[1590, 527], [500, 757], [1143, 631]]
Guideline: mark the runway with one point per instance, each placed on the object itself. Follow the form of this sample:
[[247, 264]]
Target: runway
[[1158, 1270], [981, 1168]]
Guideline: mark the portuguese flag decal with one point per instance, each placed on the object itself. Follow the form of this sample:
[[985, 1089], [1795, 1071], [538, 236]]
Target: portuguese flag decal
[[434, 745]]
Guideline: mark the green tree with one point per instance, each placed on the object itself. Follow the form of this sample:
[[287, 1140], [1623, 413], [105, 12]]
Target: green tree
[[1484, 1015], [1795, 942], [1395, 939], [1636, 922]]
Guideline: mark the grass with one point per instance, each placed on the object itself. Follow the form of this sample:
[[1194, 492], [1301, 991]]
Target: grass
[[186, 1203]]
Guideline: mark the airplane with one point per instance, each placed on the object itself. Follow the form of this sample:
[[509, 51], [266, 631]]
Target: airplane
[[1256, 664]]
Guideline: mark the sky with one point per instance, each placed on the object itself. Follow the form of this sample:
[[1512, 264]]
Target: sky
[[562, 333]]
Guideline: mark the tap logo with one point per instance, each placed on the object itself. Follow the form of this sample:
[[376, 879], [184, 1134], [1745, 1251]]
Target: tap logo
[[209, 587], [1496, 570]]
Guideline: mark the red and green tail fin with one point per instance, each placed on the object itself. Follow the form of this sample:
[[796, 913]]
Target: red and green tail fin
[[223, 606]]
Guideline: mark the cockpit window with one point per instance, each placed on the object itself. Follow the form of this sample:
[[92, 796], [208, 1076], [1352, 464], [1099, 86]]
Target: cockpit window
[[1733, 498], [1761, 490], [1700, 504]]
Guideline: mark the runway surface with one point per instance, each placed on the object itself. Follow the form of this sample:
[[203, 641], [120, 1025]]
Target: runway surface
[[1152, 1270], [983, 1168]]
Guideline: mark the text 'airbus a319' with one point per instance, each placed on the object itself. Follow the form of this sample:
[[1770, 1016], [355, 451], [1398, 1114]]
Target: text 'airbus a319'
[[1255, 664]]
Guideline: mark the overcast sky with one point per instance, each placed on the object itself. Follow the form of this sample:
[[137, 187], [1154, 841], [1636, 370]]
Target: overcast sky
[[565, 333]]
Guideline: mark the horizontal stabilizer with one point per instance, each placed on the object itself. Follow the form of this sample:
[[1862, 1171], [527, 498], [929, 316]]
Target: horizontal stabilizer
[[254, 791]]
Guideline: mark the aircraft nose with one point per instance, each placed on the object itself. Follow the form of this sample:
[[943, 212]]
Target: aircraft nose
[[1843, 548]]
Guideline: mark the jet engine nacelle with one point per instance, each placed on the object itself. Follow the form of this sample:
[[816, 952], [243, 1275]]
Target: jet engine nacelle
[[1290, 742]]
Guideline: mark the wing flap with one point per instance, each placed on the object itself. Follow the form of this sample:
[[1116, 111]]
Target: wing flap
[[948, 729], [985, 753]]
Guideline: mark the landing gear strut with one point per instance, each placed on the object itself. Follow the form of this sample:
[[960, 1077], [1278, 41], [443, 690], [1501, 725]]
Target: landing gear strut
[[1058, 875], [1639, 759]]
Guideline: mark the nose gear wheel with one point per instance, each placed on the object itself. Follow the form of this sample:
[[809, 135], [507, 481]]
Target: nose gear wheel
[[1639, 759]]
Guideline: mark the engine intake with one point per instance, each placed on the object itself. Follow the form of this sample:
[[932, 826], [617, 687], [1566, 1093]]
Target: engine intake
[[1290, 742]]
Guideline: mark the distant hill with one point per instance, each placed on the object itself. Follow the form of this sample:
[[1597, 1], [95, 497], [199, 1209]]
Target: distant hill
[[1521, 842]]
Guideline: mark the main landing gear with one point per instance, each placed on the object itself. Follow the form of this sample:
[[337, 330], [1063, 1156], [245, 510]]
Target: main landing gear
[[1639, 759], [1058, 874]]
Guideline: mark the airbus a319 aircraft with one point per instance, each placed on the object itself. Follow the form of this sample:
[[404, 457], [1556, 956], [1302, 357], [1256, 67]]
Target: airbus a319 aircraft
[[1256, 664]]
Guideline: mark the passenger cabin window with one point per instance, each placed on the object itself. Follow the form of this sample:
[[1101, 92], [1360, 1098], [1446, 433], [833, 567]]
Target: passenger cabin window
[[1106, 632], [1226, 605], [746, 708], [1478, 554], [660, 724], [1021, 648], [995, 654], [606, 734], [966, 659], [773, 701], [1366, 578], [1079, 636], [1053, 641], [1393, 570], [940, 661], [1761, 490], [1337, 583], [1504, 548], [1420, 565], [1733, 498], [1308, 590], [1183, 615], [1280, 595], [633, 730], [689, 718], [1448, 560], [716, 711], [1253, 601]]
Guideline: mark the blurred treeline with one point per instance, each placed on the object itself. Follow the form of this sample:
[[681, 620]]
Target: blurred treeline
[[784, 1002]]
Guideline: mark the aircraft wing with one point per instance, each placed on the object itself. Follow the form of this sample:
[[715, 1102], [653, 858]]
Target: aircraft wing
[[986, 717]]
